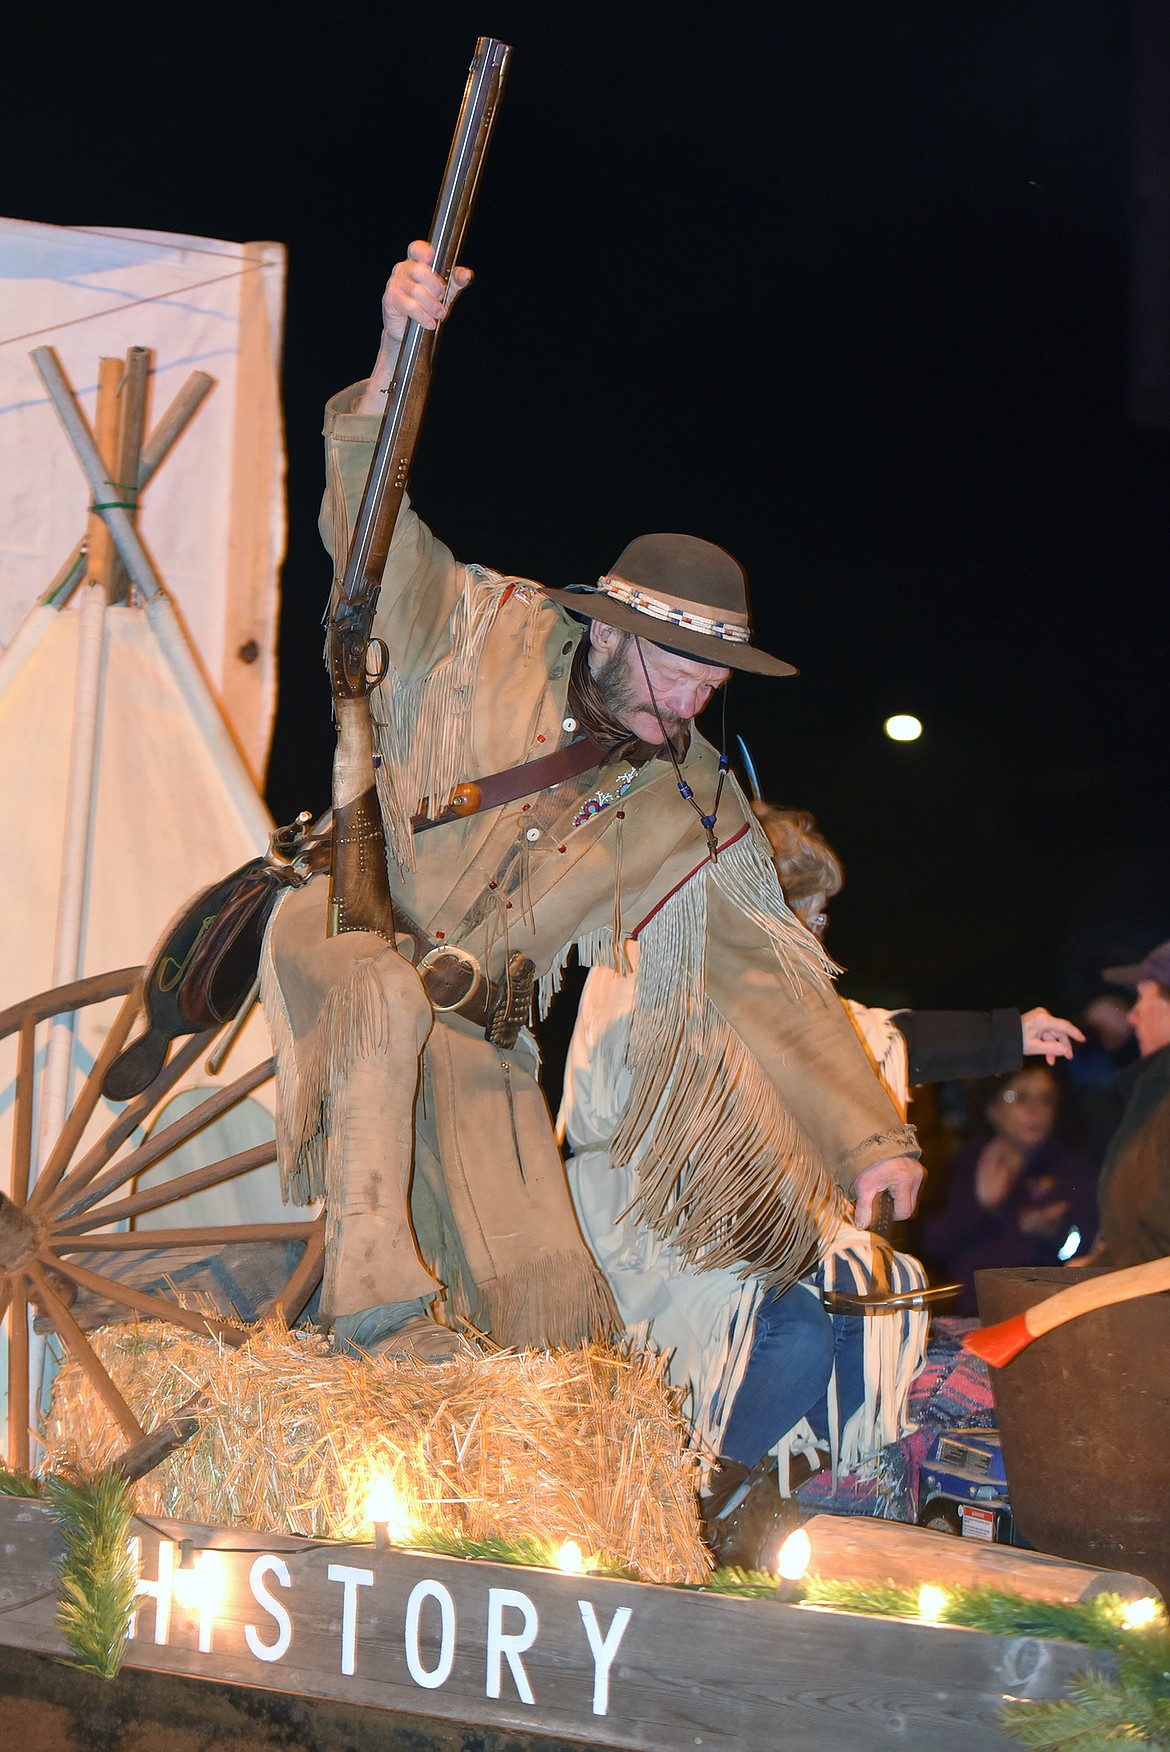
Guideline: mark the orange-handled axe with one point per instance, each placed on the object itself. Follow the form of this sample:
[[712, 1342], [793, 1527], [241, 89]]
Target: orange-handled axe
[[1000, 1343]]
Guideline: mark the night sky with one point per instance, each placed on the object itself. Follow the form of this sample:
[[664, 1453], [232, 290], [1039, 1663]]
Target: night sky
[[843, 287]]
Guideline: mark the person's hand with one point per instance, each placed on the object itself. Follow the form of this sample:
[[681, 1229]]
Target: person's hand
[[901, 1176], [414, 292], [996, 1172], [1048, 1036], [1046, 1220]]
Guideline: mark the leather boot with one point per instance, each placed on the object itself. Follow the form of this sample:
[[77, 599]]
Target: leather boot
[[749, 1536], [723, 1481]]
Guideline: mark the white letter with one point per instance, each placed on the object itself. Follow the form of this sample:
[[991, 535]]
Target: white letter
[[353, 1579], [603, 1652], [511, 1646], [262, 1567], [160, 1591], [437, 1674]]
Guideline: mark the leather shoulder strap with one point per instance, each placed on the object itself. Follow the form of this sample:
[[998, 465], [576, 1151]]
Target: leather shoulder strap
[[489, 792]]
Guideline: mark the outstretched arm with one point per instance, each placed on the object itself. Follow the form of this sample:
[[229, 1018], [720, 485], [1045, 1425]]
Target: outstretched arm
[[1048, 1036]]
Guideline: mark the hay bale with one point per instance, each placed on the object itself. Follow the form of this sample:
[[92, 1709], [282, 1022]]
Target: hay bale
[[585, 1444]]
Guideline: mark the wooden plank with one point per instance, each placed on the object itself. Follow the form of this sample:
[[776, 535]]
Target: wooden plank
[[612, 1663], [239, 1280], [888, 1551]]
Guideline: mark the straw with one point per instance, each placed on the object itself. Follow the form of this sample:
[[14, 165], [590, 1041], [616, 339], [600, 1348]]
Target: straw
[[584, 1444]]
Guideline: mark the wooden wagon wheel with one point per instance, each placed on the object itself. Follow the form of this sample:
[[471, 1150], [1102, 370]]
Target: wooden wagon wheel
[[66, 1212]]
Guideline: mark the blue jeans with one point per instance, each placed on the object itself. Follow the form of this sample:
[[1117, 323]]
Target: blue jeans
[[795, 1344]]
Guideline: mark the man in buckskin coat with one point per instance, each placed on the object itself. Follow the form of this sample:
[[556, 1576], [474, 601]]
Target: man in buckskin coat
[[754, 1111]]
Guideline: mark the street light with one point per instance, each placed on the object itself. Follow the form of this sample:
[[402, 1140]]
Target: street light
[[902, 727]]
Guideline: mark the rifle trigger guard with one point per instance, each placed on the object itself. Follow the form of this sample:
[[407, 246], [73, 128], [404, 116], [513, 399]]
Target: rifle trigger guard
[[376, 669]]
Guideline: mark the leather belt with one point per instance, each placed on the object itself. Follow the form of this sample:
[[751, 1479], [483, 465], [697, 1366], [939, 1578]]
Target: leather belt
[[452, 977], [455, 982], [493, 789]]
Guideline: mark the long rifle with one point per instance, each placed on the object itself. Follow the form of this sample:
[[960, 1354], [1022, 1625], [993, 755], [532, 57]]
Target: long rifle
[[359, 886]]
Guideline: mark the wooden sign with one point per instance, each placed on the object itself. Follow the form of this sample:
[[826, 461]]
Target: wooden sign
[[614, 1663]]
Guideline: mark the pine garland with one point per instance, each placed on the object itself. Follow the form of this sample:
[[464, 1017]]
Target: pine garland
[[99, 1581], [1100, 1713], [19, 1484], [531, 1552], [99, 1587]]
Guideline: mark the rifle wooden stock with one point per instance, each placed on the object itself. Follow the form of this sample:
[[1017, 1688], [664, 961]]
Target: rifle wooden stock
[[359, 886]]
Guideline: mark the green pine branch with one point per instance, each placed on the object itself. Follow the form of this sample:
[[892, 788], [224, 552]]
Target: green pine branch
[[99, 1582], [19, 1484]]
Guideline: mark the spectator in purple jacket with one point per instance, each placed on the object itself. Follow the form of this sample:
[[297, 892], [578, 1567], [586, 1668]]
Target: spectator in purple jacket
[[1017, 1191]]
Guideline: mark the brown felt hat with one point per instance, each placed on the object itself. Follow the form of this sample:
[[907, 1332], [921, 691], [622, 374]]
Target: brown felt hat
[[681, 592]]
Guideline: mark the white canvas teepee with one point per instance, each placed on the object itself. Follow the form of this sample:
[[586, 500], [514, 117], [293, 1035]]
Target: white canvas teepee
[[124, 790], [170, 806], [217, 513]]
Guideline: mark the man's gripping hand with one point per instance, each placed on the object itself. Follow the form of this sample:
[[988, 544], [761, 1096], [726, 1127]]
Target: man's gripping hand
[[414, 292], [901, 1176]]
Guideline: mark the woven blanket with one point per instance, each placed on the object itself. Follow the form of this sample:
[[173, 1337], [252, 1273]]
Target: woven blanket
[[952, 1390]]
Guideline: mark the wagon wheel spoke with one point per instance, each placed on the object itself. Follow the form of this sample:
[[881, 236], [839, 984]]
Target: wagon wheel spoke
[[134, 1114], [154, 1307], [170, 1191], [18, 1376], [89, 1094], [83, 1354], [43, 1229], [211, 1235], [307, 1274], [160, 1144], [22, 1119]]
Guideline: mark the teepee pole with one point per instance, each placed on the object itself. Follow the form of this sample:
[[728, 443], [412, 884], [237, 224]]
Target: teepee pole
[[114, 514], [193, 684], [154, 452], [128, 453], [99, 546]]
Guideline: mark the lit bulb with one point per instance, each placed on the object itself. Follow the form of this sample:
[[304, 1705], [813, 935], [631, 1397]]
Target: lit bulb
[[571, 1558], [1139, 1613], [202, 1587], [902, 727], [386, 1511], [931, 1602], [795, 1556]]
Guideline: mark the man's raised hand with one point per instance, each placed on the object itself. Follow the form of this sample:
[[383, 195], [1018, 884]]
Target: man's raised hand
[[414, 292]]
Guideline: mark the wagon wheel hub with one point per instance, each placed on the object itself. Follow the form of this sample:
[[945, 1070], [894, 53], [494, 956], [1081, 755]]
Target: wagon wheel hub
[[58, 1226], [20, 1236]]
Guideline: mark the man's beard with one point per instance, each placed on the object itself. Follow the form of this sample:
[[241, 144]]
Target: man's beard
[[616, 685]]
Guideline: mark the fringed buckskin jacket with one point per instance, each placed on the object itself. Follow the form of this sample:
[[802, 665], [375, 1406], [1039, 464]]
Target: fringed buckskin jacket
[[753, 1104]]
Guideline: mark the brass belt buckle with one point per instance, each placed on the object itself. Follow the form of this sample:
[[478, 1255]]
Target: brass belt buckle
[[464, 956]]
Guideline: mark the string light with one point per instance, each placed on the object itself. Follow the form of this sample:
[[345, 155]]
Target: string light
[[571, 1558], [1139, 1613], [200, 1584], [793, 1560], [931, 1603], [386, 1513]]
